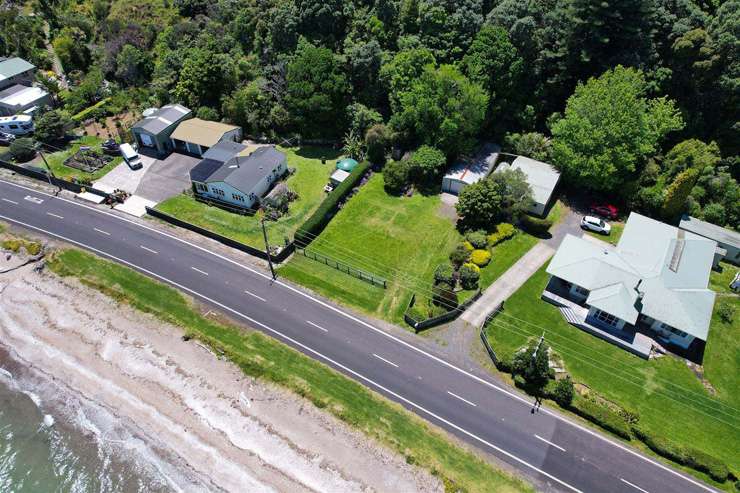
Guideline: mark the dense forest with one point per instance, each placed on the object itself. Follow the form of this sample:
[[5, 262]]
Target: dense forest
[[638, 99]]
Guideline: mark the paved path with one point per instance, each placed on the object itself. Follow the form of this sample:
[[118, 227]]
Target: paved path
[[508, 283], [555, 451]]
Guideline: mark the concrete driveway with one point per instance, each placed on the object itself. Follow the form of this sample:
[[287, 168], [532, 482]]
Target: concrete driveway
[[124, 178], [167, 178]]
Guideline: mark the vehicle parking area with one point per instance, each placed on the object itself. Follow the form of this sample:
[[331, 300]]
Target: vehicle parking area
[[157, 180]]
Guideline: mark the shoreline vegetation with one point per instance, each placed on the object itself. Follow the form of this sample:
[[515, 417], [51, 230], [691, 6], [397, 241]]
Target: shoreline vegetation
[[255, 354]]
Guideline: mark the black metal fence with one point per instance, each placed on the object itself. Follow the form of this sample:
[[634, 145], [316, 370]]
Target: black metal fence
[[484, 337], [347, 269], [419, 325], [40, 174], [281, 256]]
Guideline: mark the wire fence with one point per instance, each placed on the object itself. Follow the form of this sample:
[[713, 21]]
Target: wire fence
[[342, 267]]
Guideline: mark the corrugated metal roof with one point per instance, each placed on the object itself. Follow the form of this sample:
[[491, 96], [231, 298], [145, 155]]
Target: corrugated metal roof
[[711, 231], [244, 172], [162, 119], [202, 132], [542, 177], [19, 95], [14, 66]]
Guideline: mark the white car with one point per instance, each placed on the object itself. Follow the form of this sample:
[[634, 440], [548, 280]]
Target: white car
[[595, 224]]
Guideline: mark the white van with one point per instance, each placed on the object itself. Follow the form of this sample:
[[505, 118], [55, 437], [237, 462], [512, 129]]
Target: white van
[[131, 156], [16, 124]]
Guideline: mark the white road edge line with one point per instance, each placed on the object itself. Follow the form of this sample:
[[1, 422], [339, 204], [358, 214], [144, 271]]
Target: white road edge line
[[634, 486], [306, 348], [549, 443], [464, 400], [148, 249], [371, 327], [101, 231], [383, 359], [11, 201], [198, 270], [54, 215], [316, 325], [254, 295]]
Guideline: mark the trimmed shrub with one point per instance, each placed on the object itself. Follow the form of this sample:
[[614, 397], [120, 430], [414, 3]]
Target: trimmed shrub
[[459, 255], [468, 246], [503, 232], [686, 456], [477, 239], [444, 296], [726, 312], [444, 273], [316, 223], [469, 276], [22, 150], [536, 227], [480, 257], [563, 392], [395, 177], [602, 416]]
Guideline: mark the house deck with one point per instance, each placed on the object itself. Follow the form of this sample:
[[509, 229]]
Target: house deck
[[575, 314]]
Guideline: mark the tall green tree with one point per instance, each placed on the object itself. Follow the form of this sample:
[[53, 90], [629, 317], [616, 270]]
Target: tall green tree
[[402, 70], [204, 77], [677, 195], [691, 153], [609, 128], [317, 91], [503, 196], [52, 126], [133, 66], [443, 109]]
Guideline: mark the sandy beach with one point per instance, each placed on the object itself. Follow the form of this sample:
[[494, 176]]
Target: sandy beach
[[195, 419]]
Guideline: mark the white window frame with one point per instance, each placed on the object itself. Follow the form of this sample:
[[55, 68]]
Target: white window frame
[[606, 318]]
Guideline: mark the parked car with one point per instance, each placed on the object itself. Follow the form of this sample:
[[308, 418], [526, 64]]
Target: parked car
[[605, 210], [131, 156], [6, 139], [595, 224], [111, 147]]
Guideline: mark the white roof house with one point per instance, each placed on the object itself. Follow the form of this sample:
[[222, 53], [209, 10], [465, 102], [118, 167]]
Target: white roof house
[[22, 99], [656, 274], [471, 170], [727, 239], [542, 179]]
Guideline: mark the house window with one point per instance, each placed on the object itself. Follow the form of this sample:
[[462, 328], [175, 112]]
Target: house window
[[606, 318], [673, 330], [201, 187], [218, 192], [238, 197]]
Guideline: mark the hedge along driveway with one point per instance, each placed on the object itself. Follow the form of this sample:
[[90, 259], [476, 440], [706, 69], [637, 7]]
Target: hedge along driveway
[[671, 400], [401, 239], [308, 182]]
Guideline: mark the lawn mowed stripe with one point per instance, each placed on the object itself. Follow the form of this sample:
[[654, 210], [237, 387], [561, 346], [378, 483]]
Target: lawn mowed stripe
[[260, 356]]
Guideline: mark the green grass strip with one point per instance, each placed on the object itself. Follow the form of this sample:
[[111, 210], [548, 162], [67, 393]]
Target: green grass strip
[[262, 357]]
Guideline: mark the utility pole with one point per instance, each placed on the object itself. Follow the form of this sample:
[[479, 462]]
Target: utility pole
[[50, 174], [267, 248], [534, 354]]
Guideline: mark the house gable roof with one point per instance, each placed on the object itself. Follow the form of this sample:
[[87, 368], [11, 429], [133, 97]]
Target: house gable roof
[[11, 67], [202, 132], [669, 267], [541, 177], [711, 231], [241, 172], [162, 119]]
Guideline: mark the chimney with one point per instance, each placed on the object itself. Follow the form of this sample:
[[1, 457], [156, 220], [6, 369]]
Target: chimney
[[640, 296]]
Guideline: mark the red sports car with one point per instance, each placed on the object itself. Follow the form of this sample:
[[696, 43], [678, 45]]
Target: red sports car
[[605, 210]]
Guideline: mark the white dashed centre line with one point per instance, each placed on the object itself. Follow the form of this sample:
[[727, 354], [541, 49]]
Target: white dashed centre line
[[148, 249], [33, 199], [101, 231], [11, 201], [316, 325], [54, 215], [464, 400], [201, 271], [383, 359], [254, 295], [634, 486], [549, 443]]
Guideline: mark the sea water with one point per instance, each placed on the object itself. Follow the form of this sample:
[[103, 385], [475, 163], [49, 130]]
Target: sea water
[[53, 441]]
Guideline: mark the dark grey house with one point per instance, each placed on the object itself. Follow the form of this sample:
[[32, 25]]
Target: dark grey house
[[154, 130]]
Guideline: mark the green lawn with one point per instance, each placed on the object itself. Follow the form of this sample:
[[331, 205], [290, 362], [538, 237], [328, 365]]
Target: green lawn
[[308, 182], [670, 398], [614, 235], [401, 239], [56, 161], [720, 281], [268, 359]]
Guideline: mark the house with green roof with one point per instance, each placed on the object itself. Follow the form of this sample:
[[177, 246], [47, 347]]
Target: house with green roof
[[14, 71], [650, 290]]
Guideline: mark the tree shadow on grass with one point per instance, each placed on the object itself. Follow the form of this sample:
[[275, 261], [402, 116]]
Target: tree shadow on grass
[[318, 152]]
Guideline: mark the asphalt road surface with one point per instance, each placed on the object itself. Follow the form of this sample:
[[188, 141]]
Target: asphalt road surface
[[560, 454]]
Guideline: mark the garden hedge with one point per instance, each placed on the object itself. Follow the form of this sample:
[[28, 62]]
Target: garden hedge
[[536, 227], [602, 416], [84, 114], [316, 223], [686, 456]]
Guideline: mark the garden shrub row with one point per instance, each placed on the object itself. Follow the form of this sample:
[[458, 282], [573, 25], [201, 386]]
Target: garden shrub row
[[602, 416], [90, 111], [503, 232], [316, 223], [686, 456], [536, 227]]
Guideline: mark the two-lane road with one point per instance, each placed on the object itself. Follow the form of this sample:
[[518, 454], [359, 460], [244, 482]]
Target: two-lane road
[[543, 445]]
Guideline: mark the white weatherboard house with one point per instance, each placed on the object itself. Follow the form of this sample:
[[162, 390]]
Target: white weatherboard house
[[651, 286], [237, 175]]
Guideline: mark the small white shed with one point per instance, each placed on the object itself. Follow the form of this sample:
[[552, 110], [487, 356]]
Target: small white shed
[[338, 177]]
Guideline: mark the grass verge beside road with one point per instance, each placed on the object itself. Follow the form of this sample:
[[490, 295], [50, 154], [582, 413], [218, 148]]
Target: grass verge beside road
[[260, 356], [308, 182], [671, 399]]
